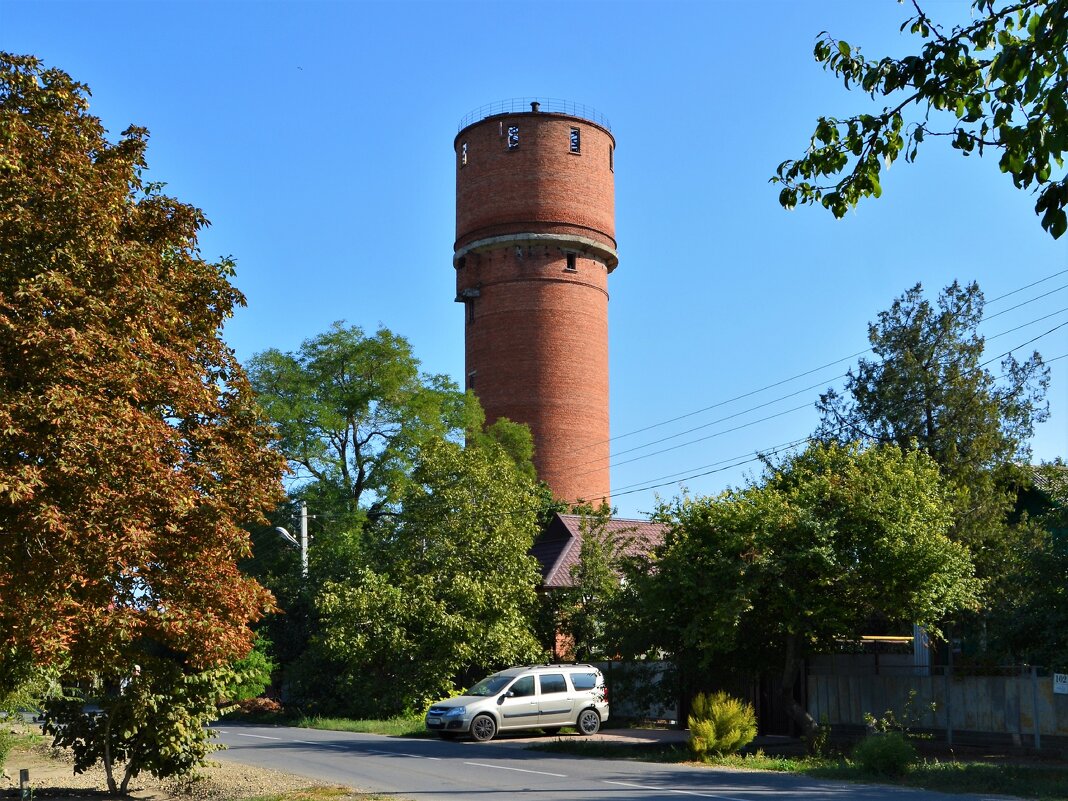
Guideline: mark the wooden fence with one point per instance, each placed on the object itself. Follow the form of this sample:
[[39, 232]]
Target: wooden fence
[[1015, 703]]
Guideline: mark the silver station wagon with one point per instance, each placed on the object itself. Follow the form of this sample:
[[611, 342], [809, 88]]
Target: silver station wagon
[[546, 697]]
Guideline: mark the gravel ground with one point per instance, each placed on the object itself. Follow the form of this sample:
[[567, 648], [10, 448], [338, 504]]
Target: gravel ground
[[52, 776]]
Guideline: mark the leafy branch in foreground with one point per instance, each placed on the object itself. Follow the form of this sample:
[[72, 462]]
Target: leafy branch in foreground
[[1004, 77]]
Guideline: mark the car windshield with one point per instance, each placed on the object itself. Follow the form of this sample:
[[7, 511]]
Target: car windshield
[[491, 685]]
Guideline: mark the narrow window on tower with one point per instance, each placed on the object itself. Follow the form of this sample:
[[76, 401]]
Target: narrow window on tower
[[576, 141], [572, 265], [471, 379], [463, 154], [611, 159], [513, 137]]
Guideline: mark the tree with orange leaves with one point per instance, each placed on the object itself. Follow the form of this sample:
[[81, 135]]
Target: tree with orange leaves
[[131, 448]]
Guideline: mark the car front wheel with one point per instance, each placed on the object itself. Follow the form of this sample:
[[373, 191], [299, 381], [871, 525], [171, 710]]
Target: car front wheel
[[589, 722], [483, 728]]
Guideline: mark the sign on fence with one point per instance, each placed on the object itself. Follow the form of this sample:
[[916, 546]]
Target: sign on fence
[[1060, 683]]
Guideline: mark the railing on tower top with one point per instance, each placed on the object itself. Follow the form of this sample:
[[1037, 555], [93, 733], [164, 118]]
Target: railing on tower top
[[550, 105]]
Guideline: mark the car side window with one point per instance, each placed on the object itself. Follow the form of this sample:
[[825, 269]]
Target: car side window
[[523, 687], [552, 683], [584, 681]]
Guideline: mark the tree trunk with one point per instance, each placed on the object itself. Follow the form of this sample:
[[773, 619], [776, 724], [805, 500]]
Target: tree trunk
[[791, 671], [112, 787], [126, 778]]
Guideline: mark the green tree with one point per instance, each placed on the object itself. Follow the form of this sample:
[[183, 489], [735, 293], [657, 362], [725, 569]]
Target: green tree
[[1000, 81], [154, 720], [832, 539], [131, 447], [351, 412], [1031, 623], [927, 388], [582, 612], [355, 418], [447, 593]]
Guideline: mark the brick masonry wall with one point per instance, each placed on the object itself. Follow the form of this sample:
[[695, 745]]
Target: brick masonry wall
[[537, 352], [537, 333], [540, 186]]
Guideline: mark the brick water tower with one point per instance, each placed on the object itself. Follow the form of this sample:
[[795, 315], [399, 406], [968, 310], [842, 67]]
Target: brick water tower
[[535, 242]]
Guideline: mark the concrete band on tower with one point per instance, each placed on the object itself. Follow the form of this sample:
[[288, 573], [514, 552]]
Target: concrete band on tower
[[535, 241]]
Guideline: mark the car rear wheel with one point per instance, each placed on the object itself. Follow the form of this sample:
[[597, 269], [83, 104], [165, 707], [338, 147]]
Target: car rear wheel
[[483, 728], [589, 722]]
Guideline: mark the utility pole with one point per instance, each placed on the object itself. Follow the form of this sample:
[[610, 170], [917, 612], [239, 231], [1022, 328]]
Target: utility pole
[[304, 538], [303, 544]]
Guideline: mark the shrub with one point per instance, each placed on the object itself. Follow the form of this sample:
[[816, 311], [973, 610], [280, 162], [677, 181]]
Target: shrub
[[888, 754], [259, 706], [252, 674], [154, 720], [720, 725]]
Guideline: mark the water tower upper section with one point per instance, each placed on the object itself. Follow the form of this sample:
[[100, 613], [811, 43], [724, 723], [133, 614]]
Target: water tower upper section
[[536, 171]]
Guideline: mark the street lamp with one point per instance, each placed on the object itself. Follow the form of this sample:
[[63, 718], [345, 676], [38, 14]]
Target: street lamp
[[303, 544]]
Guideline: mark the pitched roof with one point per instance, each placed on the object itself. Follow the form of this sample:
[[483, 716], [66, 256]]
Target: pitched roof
[[557, 548]]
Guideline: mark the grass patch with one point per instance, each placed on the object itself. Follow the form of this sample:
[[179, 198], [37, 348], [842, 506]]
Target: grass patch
[[398, 727], [1046, 783], [1029, 781]]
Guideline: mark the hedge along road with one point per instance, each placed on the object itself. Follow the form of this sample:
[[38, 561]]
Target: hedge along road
[[436, 770]]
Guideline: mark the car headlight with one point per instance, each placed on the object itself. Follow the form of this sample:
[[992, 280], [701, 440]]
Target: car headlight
[[456, 712]]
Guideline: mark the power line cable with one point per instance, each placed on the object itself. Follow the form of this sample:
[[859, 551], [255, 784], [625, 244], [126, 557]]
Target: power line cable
[[770, 403], [723, 419], [1028, 286], [708, 437], [1025, 344], [989, 317], [817, 369], [626, 489], [682, 475]]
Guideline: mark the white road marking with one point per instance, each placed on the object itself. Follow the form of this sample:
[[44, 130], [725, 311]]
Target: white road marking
[[401, 753], [669, 790], [257, 736], [519, 770]]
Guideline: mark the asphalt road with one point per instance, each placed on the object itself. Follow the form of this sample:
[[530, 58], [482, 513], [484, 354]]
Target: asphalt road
[[436, 770]]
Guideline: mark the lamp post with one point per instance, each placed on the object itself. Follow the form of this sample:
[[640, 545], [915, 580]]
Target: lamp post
[[303, 544]]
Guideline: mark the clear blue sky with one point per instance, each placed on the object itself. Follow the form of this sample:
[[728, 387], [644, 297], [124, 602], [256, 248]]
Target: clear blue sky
[[317, 136]]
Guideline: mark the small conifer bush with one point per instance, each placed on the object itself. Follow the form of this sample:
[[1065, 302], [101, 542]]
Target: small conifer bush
[[720, 725]]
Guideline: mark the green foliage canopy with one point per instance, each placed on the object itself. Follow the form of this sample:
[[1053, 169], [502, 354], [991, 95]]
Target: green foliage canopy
[[447, 592], [927, 388], [155, 721], [418, 541], [1031, 624], [1002, 79], [351, 412], [584, 611], [833, 538]]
